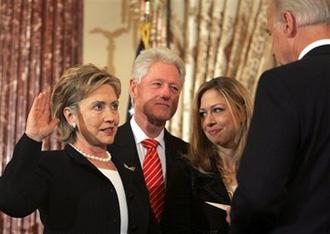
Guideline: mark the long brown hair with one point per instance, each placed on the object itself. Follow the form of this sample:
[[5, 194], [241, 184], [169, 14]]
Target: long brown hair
[[239, 102]]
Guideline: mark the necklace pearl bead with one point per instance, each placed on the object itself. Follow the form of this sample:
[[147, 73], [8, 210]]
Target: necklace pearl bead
[[92, 157]]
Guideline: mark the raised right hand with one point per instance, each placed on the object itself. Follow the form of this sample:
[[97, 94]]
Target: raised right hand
[[39, 122]]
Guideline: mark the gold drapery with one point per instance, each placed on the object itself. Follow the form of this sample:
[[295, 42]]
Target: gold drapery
[[38, 39]]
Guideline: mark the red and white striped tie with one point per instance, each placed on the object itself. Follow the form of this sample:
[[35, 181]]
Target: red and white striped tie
[[153, 177]]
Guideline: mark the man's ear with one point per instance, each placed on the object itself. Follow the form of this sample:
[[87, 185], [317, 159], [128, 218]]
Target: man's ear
[[133, 87], [70, 116], [290, 24]]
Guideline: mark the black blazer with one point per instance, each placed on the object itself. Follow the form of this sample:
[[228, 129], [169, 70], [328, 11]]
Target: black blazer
[[284, 175], [124, 149], [187, 211], [72, 195]]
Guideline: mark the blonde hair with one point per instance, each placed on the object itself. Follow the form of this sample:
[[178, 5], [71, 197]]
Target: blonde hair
[[75, 84], [240, 105]]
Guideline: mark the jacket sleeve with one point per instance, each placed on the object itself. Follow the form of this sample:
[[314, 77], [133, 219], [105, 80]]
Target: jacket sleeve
[[22, 184]]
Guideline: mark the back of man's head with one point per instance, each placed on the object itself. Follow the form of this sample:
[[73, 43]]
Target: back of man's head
[[307, 12]]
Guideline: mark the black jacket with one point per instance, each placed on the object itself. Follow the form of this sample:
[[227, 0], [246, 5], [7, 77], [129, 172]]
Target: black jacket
[[72, 195], [187, 211], [284, 175], [124, 149]]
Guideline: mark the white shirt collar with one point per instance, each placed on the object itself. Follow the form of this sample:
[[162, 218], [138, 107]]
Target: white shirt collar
[[312, 46], [141, 136]]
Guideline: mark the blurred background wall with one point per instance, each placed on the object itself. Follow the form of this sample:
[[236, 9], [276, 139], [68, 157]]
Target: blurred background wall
[[110, 41]]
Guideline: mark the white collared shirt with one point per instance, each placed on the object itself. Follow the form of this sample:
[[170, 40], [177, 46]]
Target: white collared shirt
[[140, 136], [312, 46]]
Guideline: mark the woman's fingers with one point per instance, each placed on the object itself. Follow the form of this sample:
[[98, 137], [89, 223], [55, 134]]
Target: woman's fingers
[[39, 123]]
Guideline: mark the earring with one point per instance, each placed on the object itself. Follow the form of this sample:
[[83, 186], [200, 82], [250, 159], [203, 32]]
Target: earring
[[73, 125]]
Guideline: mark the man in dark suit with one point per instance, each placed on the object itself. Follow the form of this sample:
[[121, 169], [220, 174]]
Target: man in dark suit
[[157, 80], [284, 175]]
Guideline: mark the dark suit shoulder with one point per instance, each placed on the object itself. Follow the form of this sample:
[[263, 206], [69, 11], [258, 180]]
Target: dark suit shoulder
[[54, 155], [175, 143], [174, 138], [312, 67], [124, 136]]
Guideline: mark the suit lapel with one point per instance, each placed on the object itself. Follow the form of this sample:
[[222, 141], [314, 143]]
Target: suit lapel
[[82, 161], [212, 185], [124, 150], [175, 149], [126, 176], [169, 153]]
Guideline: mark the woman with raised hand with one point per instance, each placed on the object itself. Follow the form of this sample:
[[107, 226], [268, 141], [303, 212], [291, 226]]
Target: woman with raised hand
[[80, 189]]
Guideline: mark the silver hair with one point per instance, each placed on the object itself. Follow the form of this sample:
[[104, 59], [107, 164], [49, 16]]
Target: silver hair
[[307, 12], [150, 56]]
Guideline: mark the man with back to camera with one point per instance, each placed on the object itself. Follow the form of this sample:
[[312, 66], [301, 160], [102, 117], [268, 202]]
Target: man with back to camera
[[155, 87], [284, 175]]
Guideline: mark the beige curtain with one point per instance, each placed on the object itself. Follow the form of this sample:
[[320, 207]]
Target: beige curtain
[[38, 39], [215, 38]]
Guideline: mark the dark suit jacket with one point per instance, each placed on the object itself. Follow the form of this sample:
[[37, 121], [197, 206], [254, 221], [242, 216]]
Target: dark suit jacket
[[124, 149], [284, 175], [72, 195], [187, 212]]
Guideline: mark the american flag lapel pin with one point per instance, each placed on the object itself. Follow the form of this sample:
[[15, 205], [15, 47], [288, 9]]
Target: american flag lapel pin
[[129, 168]]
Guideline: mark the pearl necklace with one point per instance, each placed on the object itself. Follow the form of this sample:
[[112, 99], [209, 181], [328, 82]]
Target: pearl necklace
[[107, 159]]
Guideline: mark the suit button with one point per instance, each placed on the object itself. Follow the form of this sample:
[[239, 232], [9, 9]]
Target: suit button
[[134, 228]]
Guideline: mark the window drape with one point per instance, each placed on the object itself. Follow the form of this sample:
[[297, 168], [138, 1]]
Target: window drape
[[38, 40]]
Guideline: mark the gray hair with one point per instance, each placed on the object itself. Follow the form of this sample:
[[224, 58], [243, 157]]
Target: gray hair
[[150, 56], [307, 12]]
